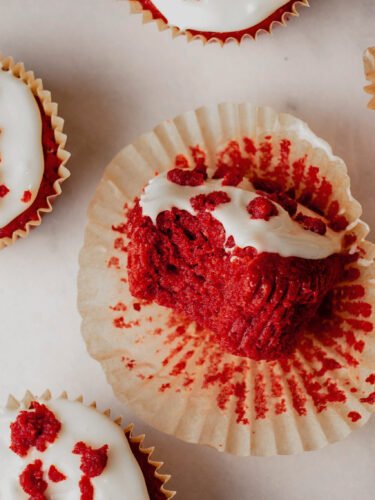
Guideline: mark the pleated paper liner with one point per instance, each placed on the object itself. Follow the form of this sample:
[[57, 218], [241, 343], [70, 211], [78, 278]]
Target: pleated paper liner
[[279, 17], [57, 123], [155, 481], [369, 63], [170, 372]]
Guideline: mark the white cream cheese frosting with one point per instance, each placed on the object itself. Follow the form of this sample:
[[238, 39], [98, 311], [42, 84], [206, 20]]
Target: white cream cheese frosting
[[21, 150], [280, 234], [121, 479], [216, 15]]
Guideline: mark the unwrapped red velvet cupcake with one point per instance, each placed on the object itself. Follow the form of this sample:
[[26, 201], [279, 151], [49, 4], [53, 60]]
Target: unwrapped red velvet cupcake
[[32, 155], [217, 20], [226, 285], [62, 449]]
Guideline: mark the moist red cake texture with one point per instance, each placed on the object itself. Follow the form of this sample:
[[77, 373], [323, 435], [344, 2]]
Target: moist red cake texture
[[254, 304], [46, 188]]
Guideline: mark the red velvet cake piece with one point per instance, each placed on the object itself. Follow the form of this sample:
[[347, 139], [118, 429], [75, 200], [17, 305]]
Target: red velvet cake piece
[[254, 301]]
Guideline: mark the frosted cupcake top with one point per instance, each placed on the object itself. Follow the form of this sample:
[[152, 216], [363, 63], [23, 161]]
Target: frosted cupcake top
[[63, 450], [21, 150], [247, 216], [216, 15]]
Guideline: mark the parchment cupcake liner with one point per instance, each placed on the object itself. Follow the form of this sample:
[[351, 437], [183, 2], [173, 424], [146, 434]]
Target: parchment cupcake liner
[[266, 25], [369, 64], [155, 481], [50, 108], [168, 371]]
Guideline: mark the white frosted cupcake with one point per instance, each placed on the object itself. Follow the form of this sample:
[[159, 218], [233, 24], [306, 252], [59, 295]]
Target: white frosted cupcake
[[217, 20], [61, 449], [32, 155]]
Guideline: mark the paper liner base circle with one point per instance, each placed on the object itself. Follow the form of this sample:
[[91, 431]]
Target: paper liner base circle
[[155, 480], [168, 371], [280, 17]]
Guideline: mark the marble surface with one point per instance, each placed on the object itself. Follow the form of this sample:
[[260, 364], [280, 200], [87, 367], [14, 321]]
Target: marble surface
[[115, 79]]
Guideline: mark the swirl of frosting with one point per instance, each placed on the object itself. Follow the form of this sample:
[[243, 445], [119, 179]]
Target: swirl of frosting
[[280, 234]]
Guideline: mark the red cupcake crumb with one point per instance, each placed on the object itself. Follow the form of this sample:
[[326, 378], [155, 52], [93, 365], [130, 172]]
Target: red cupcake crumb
[[33, 428], [186, 177], [32, 482], [209, 201], [3, 190], [26, 196], [354, 416], [312, 223], [93, 462], [261, 208], [86, 488], [55, 475]]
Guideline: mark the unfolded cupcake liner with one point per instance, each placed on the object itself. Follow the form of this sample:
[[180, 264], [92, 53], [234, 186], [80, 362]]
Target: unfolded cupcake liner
[[170, 372], [369, 64], [155, 480], [57, 123], [291, 9]]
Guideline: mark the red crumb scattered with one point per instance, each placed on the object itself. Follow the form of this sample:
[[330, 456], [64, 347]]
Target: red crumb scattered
[[93, 462], [371, 379], [209, 201], [164, 387], [353, 389], [311, 223], [26, 196], [338, 223], [137, 306], [55, 475], [120, 306], [370, 399], [33, 428], [86, 488], [261, 208], [186, 177], [354, 416], [181, 161], [32, 482], [3, 190], [288, 203], [254, 304], [114, 262]]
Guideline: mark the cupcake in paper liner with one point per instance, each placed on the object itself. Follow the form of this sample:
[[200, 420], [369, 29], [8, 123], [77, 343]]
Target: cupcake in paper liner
[[32, 151], [247, 219], [369, 63], [62, 449], [217, 20]]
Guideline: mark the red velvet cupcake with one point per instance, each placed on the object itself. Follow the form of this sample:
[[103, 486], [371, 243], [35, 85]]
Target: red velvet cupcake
[[30, 176], [217, 20], [57, 448], [226, 285]]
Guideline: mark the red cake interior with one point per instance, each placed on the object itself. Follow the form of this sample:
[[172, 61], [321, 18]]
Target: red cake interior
[[254, 303]]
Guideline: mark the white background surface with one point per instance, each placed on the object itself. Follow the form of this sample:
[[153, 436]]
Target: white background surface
[[115, 79]]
